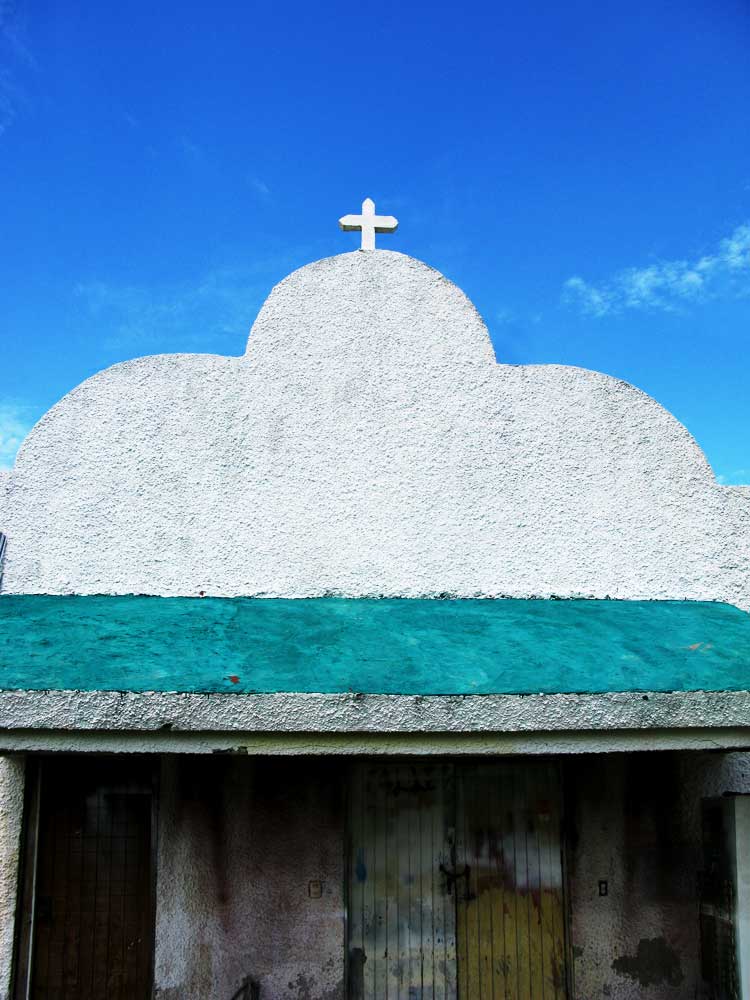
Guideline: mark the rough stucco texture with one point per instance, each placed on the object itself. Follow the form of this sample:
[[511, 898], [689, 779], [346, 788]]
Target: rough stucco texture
[[239, 845], [11, 817], [368, 444]]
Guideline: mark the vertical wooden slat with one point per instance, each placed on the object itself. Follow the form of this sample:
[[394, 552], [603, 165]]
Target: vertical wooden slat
[[390, 804], [546, 877], [555, 892], [536, 955], [449, 794], [370, 886], [458, 856], [487, 886], [405, 956], [510, 908], [416, 940], [380, 888], [522, 886], [426, 896], [501, 962], [355, 871]]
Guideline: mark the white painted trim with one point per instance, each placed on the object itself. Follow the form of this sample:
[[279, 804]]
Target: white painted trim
[[385, 744]]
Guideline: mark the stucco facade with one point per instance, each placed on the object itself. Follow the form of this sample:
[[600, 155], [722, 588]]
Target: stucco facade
[[369, 444]]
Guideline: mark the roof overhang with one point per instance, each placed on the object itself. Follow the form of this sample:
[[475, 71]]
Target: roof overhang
[[333, 675]]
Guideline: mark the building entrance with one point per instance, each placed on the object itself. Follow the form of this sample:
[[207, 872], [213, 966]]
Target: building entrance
[[88, 926], [455, 886]]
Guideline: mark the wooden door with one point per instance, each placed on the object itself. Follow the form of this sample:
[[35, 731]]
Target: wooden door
[[510, 914], [401, 921], [455, 882], [92, 916]]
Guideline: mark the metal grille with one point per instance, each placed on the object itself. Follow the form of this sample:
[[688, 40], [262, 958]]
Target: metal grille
[[93, 912]]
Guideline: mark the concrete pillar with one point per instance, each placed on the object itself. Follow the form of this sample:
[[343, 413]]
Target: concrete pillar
[[12, 771]]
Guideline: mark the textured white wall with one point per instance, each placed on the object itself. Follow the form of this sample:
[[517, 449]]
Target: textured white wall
[[368, 443], [12, 771]]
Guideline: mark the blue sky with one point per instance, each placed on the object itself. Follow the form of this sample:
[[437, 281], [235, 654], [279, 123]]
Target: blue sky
[[581, 170]]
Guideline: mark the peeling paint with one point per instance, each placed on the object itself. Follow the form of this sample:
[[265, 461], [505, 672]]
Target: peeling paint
[[654, 963], [306, 988]]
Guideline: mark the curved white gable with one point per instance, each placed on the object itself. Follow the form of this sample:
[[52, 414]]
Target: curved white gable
[[368, 443]]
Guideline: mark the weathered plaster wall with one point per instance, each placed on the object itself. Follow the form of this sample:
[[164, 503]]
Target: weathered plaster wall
[[239, 844], [634, 820], [368, 443], [12, 771], [241, 840]]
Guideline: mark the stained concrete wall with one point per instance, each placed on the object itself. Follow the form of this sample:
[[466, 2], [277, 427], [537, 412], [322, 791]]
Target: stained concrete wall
[[12, 770], [368, 444], [240, 842], [635, 821]]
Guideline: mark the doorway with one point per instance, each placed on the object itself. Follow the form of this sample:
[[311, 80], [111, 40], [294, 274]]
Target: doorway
[[455, 883], [87, 927]]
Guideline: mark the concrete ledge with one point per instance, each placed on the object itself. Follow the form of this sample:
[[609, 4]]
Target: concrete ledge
[[386, 744], [158, 717]]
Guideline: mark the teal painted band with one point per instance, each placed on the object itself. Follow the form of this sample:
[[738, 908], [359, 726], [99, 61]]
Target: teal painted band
[[388, 646]]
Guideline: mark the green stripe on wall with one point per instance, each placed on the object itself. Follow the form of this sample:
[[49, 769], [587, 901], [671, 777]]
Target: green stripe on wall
[[388, 646]]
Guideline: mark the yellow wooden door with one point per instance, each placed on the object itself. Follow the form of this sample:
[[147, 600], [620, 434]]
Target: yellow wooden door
[[455, 882], [510, 916]]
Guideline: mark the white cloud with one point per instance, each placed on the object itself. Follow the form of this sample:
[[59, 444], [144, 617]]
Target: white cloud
[[260, 187], [15, 424], [504, 316], [15, 56], [213, 313], [737, 477], [193, 152], [208, 315], [668, 285]]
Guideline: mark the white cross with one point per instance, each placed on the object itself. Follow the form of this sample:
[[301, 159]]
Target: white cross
[[369, 223]]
